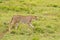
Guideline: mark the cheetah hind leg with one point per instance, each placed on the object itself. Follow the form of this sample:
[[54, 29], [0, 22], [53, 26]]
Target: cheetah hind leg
[[17, 24]]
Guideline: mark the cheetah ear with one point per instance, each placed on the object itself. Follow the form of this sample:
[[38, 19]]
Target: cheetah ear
[[37, 17]]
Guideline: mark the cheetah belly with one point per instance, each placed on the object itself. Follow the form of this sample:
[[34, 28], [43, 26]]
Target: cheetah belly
[[24, 21]]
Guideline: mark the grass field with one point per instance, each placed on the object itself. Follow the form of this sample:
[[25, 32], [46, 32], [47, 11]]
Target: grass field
[[47, 27]]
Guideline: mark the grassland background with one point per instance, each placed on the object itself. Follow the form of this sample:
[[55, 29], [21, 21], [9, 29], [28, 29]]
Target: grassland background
[[47, 27]]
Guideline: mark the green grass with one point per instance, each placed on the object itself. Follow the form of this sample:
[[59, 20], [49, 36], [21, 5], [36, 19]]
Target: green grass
[[47, 27]]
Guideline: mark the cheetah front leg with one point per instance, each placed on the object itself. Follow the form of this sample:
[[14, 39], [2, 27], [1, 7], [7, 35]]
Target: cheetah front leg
[[31, 25]]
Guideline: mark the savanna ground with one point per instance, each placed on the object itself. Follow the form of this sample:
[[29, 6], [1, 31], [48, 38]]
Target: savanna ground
[[47, 27]]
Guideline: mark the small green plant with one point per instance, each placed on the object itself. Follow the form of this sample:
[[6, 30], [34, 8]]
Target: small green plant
[[39, 30]]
